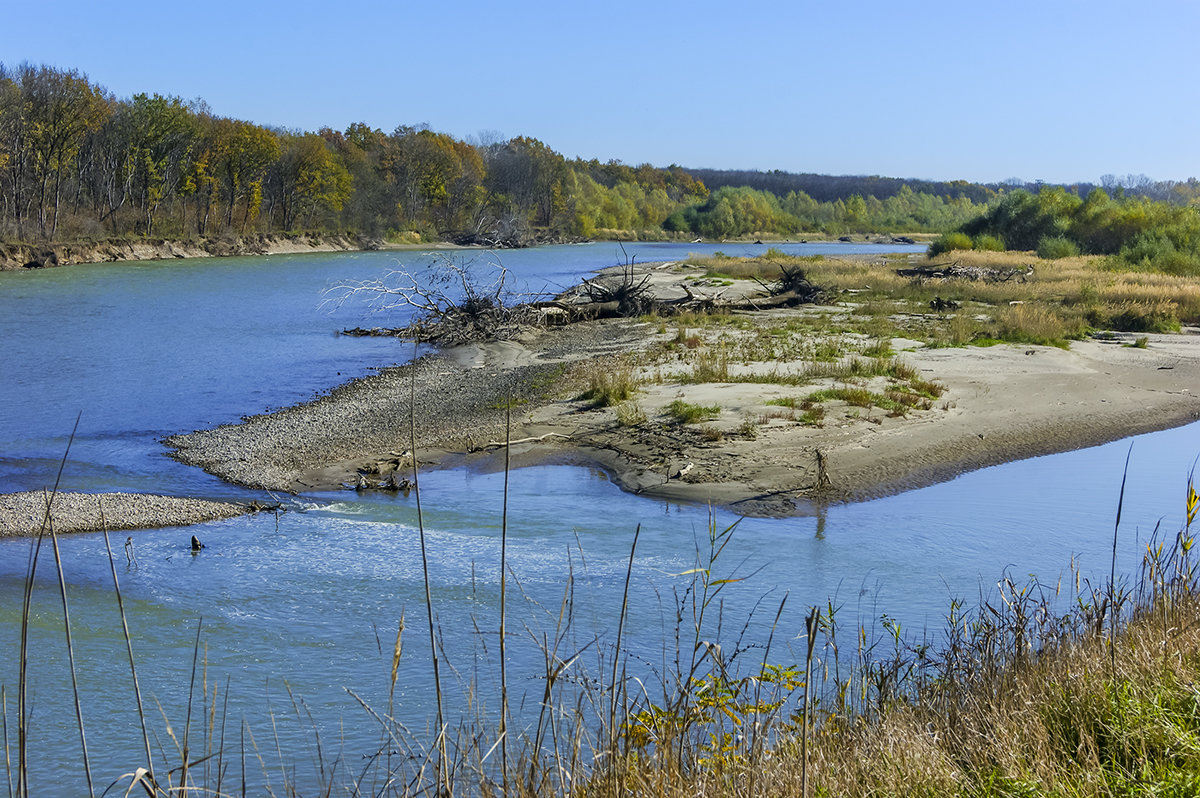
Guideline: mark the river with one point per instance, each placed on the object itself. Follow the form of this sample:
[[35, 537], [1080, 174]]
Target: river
[[309, 601]]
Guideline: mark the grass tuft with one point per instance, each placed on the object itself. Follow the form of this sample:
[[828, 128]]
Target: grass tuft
[[686, 413], [609, 385]]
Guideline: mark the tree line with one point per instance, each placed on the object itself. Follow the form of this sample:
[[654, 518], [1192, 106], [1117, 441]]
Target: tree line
[[76, 162]]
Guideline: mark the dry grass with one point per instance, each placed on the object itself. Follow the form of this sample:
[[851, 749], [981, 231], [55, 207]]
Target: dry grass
[[1030, 694], [1062, 300], [609, 383]]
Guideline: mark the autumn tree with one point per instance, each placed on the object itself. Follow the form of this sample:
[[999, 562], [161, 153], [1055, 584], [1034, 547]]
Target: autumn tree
[[367, 154], [14, 150], [56, 111], [307, 179], [164, 136], [242, 152], [522, 174]]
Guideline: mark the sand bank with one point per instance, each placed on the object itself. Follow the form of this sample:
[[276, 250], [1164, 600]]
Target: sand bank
[[1000, 403]]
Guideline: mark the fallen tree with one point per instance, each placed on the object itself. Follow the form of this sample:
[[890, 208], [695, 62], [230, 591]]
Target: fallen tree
[[452, 305], [976, 273]]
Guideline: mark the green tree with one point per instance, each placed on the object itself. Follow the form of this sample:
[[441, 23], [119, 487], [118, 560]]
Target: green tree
[[524, 171], [163, 138]]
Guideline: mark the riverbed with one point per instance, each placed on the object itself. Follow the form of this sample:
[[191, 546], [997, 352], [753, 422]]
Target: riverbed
[[310, 599]]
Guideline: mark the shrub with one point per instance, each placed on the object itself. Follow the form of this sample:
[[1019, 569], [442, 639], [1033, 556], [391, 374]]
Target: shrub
[[1135, 317], [1055, 247], [988, 243], [949, 242], [630, 414], [609, 386], [1157, 252]]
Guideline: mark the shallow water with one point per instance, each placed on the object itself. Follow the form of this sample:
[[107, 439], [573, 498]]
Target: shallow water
[[310, 601]]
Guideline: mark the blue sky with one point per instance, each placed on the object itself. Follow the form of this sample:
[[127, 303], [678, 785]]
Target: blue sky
[[1056, 90]]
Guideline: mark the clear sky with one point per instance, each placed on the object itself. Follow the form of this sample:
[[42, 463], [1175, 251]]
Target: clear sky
[[981, 90]]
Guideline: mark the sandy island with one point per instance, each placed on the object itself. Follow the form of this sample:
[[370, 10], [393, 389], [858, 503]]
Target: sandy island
[[1001, 403]]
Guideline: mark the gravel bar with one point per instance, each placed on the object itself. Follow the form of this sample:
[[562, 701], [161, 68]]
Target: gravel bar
[[455, 409], [22, 513]]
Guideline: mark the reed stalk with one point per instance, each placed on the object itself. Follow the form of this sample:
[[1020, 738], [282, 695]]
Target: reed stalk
[[7, 750], [221, 743], [187, 724], [26, 605], [62, 589], [442, 768], [615, 685], [503, 602], [137, 690], [1112, 577], [810, 628]]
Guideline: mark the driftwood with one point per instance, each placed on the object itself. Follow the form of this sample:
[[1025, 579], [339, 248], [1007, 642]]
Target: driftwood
[[789, 299], [976, 273], [938, 304], [629, 293], [499, 444]]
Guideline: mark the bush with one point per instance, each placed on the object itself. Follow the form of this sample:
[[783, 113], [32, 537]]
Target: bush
[[1157, 252], [1055, 247], [609, 385], [988, 243], [949, 242]]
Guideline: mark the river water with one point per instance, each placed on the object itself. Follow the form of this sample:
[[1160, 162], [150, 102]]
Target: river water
[[297, 611]]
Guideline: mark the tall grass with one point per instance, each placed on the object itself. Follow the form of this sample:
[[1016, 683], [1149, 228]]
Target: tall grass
[[609, 384]]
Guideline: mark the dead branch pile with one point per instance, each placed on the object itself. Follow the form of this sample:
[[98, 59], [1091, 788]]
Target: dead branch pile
[[792, 288], [794, 284], [452, 305], [975, 273], [623, 295]]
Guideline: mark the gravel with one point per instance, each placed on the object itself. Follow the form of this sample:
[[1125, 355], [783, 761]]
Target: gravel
[[455, 409], [22, 513]]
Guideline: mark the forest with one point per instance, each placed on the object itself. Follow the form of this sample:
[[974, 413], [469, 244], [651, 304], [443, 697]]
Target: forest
[[78, 163], [1132, 231]]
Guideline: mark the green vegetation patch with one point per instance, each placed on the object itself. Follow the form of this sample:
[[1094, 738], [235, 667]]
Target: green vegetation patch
[[686, 413]]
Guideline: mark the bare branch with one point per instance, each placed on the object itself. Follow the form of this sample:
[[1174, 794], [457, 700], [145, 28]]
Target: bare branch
[[451, 305]]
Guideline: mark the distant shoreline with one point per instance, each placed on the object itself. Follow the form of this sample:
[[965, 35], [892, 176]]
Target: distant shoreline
[[25, 256], [15, 257]]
